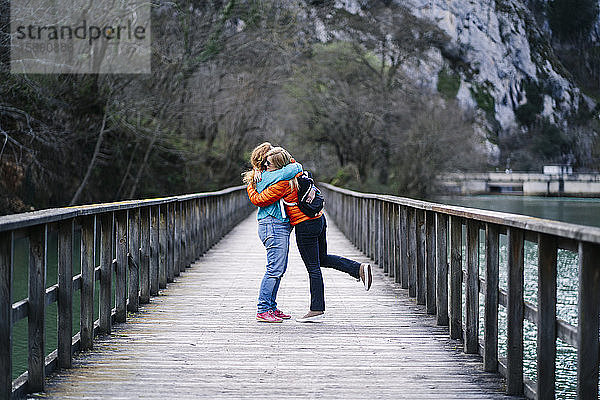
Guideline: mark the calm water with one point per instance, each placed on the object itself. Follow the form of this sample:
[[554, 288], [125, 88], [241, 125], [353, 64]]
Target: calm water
[[566, 209], [573, 210], [580, 211]]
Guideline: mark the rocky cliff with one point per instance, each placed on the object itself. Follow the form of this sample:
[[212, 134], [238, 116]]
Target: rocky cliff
[[498, 53]]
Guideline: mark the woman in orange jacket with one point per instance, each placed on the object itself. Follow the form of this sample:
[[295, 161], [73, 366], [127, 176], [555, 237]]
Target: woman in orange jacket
[[310, 237], [273, 230]]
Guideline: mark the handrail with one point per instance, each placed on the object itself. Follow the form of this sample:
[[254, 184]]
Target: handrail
[[534, 224], [23, 220], [419, 244], [154, 240]]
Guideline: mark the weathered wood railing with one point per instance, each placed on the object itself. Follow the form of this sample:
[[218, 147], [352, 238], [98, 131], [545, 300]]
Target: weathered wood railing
[[410, 240], [153, 240]]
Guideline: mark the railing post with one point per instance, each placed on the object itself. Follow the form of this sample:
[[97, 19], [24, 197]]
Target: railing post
[[490, 350], [371, 229], [6, 271], [177, 237], [472, 290], [514, 312], [184, 241], [412, 252], [397, 245], [383, 244], [365, 226], [134, 253], [404, 247], [154, 249], [421, 284], [170, 245], [121, 267], [36, 309], [430, 262], [455, 278], [198, 231], [442, 269], [546, 324], [587, 327], [88, 265], [162, 242], [145, 255], [106, 268], [65, 292]]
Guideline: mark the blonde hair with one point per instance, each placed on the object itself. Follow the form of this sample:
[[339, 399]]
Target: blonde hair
[[279, 158], [257, 160]]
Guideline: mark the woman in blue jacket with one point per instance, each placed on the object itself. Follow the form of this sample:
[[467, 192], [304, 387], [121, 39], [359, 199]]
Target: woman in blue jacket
[[273, 229]]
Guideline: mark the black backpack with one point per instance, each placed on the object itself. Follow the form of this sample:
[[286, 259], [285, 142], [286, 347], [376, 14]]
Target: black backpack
[[305, 184]]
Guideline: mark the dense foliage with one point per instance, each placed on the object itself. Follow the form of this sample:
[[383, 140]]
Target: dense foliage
[[227, 75]]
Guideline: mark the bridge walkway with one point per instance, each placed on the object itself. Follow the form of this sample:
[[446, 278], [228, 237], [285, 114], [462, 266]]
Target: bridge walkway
[[199, 339]]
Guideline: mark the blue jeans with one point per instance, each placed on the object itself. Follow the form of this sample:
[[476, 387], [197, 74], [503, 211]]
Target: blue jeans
[[275, 235], [311, 238]]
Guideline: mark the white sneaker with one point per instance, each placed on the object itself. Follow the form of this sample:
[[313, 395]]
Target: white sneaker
[[368, 275], [310, 317]]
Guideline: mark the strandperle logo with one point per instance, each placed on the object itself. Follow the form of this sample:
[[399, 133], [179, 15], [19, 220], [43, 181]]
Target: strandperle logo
[[60, 36], [82, 31]]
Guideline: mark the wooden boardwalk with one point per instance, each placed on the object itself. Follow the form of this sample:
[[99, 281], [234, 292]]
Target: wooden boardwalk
[[200, 340]]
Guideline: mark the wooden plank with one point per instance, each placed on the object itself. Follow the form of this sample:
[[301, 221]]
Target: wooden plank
[[514, 312], [442, 269], [546, 324], [430, 276], [471, 339], [162, 243], [455, 278], [36, 308], [6, 272], [492, 260], [154, 249], [145, 255], [421, 286], [133, 268], [88, 227], [65, 293], [412, 253], [404, 248], [121, 267], [106, 267], [588, 321]]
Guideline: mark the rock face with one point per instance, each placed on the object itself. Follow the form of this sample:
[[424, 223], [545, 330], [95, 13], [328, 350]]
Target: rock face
[[498, 46]]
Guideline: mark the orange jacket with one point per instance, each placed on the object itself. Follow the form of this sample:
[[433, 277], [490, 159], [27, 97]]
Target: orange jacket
[[275, 192]]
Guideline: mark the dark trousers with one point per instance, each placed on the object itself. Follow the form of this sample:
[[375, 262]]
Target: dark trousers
[[312, 244]]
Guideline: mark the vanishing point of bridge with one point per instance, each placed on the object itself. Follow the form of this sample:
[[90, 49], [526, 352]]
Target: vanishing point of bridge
[[197, 337]]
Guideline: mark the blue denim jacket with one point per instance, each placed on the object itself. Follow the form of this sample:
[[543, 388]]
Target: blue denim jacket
[[270, 177]]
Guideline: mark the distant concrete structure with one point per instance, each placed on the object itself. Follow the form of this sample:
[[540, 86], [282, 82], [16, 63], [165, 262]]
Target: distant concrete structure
[[557, 170], [557, 180]]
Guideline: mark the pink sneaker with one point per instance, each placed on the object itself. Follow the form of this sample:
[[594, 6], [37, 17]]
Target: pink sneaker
[[279, 314], [267, 316]]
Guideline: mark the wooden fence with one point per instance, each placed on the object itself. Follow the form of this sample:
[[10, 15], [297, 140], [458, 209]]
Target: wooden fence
[[145, 244], [420, 245]]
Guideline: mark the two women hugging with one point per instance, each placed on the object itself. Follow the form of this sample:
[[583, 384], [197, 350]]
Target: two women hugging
[[272, 186]]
